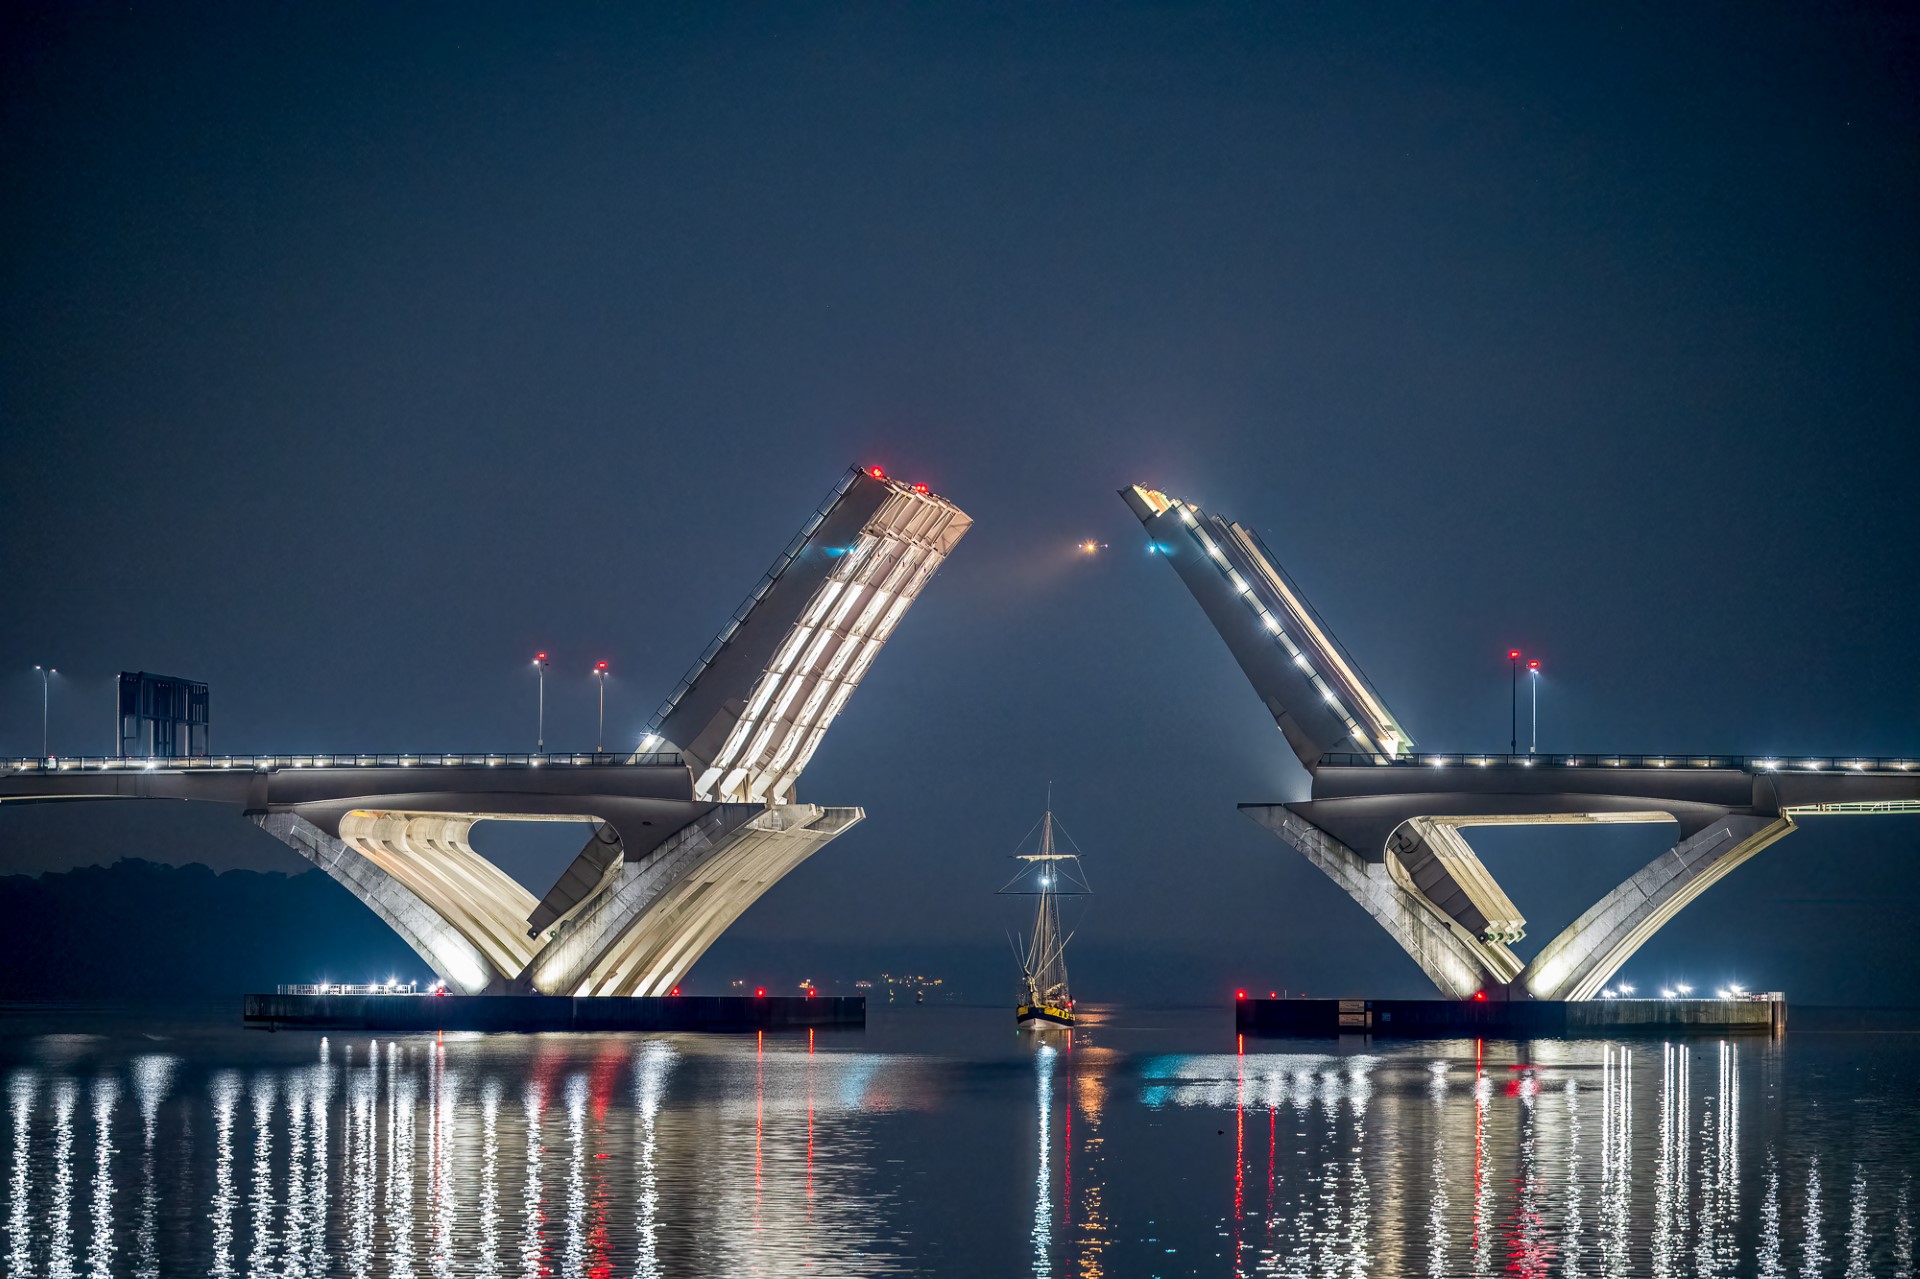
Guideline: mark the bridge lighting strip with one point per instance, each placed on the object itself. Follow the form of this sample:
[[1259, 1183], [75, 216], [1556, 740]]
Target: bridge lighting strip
[[1384, 726], [1274, 628]]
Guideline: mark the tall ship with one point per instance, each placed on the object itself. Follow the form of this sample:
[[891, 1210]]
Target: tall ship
[[1046, 875]]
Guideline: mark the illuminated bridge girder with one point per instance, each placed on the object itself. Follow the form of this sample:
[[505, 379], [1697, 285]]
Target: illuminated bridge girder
[[1384, 823], [683, 842], [751, 713]]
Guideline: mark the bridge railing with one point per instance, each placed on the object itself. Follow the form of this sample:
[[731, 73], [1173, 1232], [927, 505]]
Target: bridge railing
[[1843, 764], [340, 759]]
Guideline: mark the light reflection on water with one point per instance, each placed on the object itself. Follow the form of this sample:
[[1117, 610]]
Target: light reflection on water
[[939, 1141]]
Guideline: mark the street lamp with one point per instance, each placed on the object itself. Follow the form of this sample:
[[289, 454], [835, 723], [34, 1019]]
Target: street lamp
[[1513, 719], [46, 685], [600, 673], [1533, 670], [540, 660]]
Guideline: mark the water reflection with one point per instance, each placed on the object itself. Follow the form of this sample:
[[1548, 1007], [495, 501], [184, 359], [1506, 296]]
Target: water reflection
[[1067, 1156], [152, 1077], [60, 1218], [21, 1091], [1043, 1165], [650, 1083], [106, 1091]]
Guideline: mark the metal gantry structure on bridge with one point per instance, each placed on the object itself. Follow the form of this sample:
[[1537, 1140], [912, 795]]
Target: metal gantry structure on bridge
[[1384, 822], [688, 830]]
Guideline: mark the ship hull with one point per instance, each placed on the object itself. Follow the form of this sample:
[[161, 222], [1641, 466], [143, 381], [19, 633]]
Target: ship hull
[[1040, 1016]]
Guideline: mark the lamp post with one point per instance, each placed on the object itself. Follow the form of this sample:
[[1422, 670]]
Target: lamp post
[[1513, 719], [46, 693], [600, 673], [1533, 670], [540, 660]]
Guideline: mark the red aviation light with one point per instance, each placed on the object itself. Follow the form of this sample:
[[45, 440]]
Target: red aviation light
[[1479, 996], [1533, 665], [1239, 994], [674, 991], [1513, 655], [810, 992], [876, 473], [599, 666], [920, 488], [539, 657], [760, 992]]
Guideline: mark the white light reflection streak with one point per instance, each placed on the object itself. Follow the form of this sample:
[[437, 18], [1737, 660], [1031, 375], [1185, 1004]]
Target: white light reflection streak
[[226, 1099], [1438, 1239], [1813, 1249], [650, 1083], [490, 1180], [1570, 1243], [296, 1219], [320, 1106], [60, 1216], [1482, 1182], [106, 1092], [402, 1090], [1858, 1241], [533, 1101], [1043, 1176], [362, 1158], [442, 1089], [1903, 1232], [260, 1092], [576, 1253], [1359, 1194], [1616, 1158], [1768, 1257], [20, 1091], [152, 1076]]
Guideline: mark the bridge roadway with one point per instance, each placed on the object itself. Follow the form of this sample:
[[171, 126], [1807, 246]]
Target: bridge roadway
[[685, 837], [1384, 821]]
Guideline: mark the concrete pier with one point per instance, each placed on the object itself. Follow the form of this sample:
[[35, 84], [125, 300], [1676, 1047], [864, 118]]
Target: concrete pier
[[536, 1013], [1509, 1018]]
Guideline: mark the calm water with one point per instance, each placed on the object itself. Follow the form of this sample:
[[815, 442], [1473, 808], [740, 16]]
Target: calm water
[[939, 1141]]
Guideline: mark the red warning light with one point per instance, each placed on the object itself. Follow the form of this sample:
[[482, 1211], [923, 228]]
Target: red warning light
[[920, 488], [1239, 994], [1513, 654], [1479, 996], [876, 473], [810, 992], [675, 990], [599, 666], [1533, 665], [759, 992], [539, 657], [1273, 994]]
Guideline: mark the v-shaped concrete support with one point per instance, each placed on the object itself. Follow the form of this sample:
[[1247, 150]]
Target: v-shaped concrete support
[[1429, 896]]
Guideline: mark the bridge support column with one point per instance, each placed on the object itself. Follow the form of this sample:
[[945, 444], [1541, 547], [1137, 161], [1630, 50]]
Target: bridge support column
[[1584, 958], [1450, 957], [645, 929], [454, 957]]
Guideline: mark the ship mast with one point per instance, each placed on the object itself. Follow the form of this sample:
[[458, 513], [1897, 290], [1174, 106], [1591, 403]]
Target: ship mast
[[1043, 959], [1047, 956]]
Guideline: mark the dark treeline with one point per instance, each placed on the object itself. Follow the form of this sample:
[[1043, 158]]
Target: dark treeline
[[138, 929]]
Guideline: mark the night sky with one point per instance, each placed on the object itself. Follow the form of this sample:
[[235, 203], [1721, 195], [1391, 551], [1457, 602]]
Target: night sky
[[349, 355]]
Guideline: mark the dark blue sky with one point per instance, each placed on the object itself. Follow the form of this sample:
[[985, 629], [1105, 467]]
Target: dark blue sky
[[348, 355]]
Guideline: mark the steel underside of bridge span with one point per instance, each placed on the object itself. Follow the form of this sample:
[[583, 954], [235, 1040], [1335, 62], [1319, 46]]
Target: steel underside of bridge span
[[685, 840], [1385, 824]]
